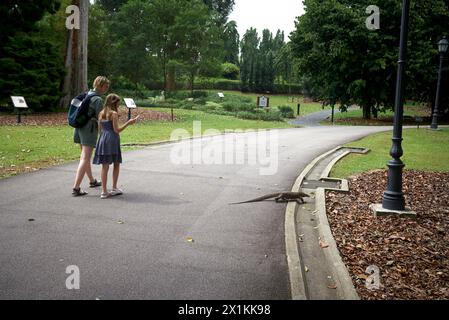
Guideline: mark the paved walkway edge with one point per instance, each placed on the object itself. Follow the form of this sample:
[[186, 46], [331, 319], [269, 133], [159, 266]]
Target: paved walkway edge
[[345, 287], [168, 141], [295, 267]]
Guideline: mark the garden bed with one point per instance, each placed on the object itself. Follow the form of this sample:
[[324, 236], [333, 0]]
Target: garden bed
[[60, 118], [412, 254]]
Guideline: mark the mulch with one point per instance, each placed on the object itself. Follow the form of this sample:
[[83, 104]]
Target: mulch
[[60, 118], [412, 254]]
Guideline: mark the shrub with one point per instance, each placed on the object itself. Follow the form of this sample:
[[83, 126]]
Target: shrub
[[286, 111], [271, 116], [200, 101], [230, 71], [199, 94], [217, 84], [250, 107], [179, 95], [229, 106], [248, 115], [211, 106], [292, 88]]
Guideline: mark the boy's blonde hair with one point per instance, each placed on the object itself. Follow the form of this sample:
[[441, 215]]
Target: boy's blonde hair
[[99, 81], [110, 104]]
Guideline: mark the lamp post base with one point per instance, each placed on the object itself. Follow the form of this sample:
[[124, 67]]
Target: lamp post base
[[379, 211]]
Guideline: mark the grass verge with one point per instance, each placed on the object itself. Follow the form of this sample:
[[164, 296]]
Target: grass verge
[[423, 150]]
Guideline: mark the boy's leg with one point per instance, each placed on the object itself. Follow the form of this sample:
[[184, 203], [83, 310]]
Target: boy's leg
[[89, 171], [115, 174], [86, 154], [93, 182]]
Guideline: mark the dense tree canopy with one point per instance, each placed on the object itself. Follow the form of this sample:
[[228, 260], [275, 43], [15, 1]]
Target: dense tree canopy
[[260, 63], [22, 15], [346, 63], [165, 38], [221, 8], [31, 61]]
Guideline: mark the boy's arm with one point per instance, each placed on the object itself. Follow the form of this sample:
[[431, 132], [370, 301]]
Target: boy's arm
[[97, 105]]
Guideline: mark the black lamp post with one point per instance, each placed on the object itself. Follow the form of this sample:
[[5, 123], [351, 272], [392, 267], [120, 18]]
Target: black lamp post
[[393, 197], [442, 48]]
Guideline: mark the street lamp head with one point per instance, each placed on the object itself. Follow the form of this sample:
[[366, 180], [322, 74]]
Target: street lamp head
[[442, 45]]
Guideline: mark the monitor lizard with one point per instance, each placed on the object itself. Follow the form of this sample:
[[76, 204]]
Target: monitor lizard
[[285, 196]]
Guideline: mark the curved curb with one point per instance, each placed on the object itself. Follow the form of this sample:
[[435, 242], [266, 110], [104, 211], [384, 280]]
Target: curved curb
[[345, 287], [295, 267]]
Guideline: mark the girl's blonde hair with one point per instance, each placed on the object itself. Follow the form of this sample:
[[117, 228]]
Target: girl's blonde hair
[[99, 81], [110, 104]]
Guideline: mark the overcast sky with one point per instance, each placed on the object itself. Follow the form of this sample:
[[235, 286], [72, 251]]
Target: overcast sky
[[266, 14]]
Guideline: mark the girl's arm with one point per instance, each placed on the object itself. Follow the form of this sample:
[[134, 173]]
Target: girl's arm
[[117, 128]]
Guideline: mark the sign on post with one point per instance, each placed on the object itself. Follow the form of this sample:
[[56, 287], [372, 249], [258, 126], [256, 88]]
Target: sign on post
[[19, 103], [130, 104], [221, 95], [263, 101]]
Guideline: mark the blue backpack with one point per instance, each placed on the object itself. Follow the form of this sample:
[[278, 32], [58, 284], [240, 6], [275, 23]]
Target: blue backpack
[[78, 115]]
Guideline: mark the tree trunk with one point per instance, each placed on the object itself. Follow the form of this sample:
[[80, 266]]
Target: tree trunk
[[75, 80], [192, 81], [366, 112], [170, 83], [375, 109]]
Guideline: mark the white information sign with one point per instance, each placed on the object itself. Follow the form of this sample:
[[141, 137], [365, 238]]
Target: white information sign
[[263, 101], [19, 102], [220, 94], [130, 103]]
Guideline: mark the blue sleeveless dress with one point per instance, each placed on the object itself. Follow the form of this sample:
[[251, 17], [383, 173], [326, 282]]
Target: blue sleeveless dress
[[108, 145]]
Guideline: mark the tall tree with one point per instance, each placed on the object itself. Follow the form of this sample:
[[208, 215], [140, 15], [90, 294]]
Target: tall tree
[[199, 45], [130, 45], [100, 34], [221, 8], [346, 63], [266, 62], [283, 64], [75, 80], [231, 43], [249, 59]]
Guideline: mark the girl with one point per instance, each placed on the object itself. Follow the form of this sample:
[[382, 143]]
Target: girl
[[108, 146]]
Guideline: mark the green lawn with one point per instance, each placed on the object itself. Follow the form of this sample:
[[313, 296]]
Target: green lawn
[[41, 146], [423, 150]]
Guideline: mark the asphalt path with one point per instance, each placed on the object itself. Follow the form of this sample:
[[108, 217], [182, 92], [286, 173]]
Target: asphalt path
[[172, 234]]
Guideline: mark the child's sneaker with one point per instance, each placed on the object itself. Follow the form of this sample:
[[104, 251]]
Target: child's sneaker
[[116, 192], [105, 195]]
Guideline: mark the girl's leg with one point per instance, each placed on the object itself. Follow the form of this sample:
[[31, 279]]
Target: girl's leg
[[115, 174], [104, 178], [86, 154]]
